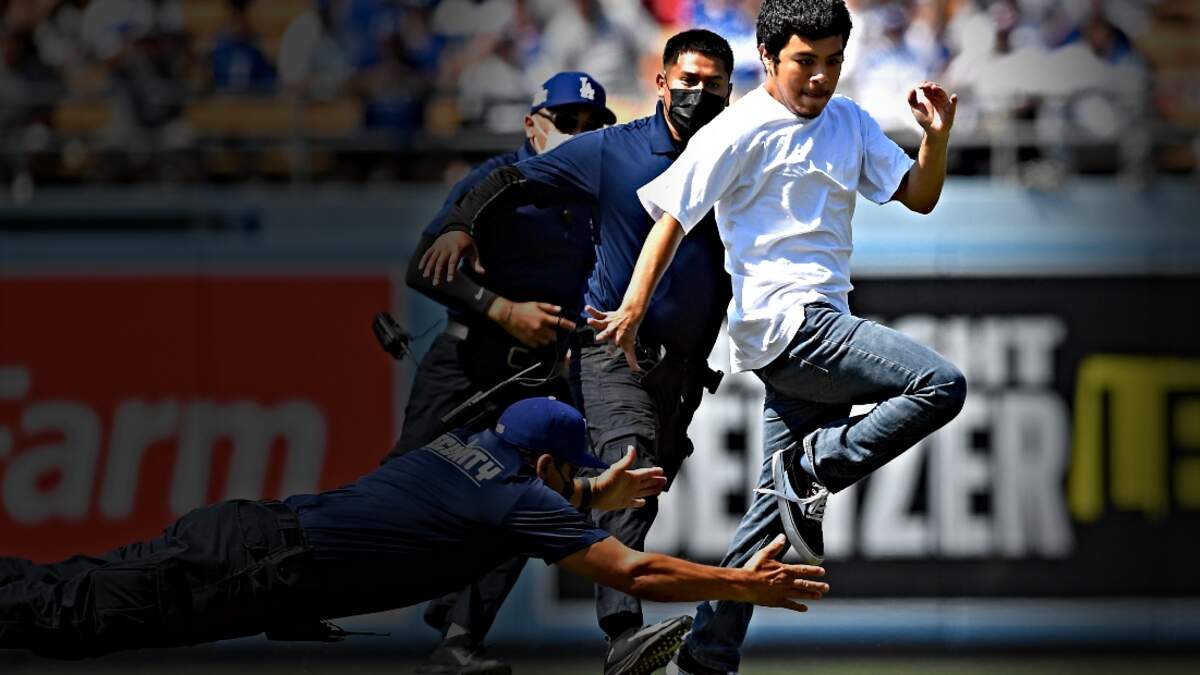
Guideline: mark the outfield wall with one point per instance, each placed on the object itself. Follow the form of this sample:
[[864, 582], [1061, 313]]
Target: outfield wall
[[161, 350]]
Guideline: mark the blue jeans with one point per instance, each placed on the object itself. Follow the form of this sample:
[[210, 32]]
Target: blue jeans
[[835, 361]]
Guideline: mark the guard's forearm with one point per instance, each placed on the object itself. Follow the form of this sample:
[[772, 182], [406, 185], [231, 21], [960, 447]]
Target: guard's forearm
[[663, 578], [503, 190], [657, 253], [927, 175], [461, 293]]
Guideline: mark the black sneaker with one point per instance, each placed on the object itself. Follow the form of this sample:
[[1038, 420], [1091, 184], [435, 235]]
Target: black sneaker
[[641, 651], [684, 664], [801, 499], [461, 656]]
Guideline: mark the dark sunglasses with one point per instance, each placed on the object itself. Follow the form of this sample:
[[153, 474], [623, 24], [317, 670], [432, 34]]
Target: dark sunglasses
[[569, 121]]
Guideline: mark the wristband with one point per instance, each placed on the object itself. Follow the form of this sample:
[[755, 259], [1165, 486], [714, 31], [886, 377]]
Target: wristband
[[585, 495]]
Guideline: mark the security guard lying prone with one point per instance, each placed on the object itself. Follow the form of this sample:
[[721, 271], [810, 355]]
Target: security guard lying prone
[[420, 525]]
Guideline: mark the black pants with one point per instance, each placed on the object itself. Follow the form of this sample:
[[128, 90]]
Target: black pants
[[651, 413], [451, 372], [228, 570]]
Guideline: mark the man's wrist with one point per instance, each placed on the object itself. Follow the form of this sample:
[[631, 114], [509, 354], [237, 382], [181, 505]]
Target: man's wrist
[[936, 141], [499, 310], [586, 494]]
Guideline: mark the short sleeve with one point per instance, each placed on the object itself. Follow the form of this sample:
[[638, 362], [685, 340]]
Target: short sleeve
[[884, 164], [574, 167], [543, 525], [697, 180]]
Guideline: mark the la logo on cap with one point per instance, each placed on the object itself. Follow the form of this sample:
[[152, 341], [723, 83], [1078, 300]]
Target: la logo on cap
[[586, 90]]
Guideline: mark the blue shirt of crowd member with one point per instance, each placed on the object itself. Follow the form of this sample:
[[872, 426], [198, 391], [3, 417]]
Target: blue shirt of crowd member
[[436, 518], [237, 61], [606, 168]]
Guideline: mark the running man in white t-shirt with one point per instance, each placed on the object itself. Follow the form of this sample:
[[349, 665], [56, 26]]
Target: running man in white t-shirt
[[782, 166]]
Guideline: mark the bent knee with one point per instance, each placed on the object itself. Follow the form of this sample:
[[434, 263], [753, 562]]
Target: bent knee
[[951, 386]]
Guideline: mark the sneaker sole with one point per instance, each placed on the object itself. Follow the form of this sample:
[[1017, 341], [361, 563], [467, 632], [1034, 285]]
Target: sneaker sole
[[656, 654], [779, 475]]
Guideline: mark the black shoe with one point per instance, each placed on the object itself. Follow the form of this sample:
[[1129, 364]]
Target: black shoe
[[641, 651], [801, 500], [684, 664], [461, 656]]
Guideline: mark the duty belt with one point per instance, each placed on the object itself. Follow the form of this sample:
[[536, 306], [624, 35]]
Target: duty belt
[[517, 358], [289, 523]]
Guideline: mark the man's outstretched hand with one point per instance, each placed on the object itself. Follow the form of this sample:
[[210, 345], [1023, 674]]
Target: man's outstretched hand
[[775, 584], [620, 487]]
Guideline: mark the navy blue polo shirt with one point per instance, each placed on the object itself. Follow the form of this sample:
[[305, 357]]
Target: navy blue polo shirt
[[434, 519], [531, 253], [606, 168]]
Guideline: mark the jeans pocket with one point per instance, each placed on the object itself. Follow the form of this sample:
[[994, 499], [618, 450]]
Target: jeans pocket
[[800, 378]]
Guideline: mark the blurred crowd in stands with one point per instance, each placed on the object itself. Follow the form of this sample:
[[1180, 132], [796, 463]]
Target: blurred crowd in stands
[[192, 89]]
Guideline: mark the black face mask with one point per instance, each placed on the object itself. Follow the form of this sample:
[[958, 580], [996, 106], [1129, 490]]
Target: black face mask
[[693, 108]]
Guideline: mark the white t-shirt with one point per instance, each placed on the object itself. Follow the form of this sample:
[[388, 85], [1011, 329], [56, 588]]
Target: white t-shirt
[[783, 188]]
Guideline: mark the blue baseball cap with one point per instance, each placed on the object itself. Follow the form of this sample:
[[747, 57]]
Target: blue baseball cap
[[544, 425], [573, 88]]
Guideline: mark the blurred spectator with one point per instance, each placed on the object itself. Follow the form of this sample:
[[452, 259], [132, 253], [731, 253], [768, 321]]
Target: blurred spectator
[[888, 68], [238, 63], [28, 87], [311, 60], [143, 48], [734, 20], [492, 88], [606, 38]]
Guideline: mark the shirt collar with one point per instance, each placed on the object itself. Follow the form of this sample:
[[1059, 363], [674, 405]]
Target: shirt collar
[[661, 142], [525, 151]]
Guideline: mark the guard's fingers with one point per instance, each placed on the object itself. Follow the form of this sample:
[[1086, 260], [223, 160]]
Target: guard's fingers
[[478, 264], [605, 333], [439, 264], [817, 587], [596, 314], [452, 264], [805, 570], [624, 462], [548, 307], [425, 260], [651, 488], [793, 605], [631, 358], [773, 549], [564, 324]]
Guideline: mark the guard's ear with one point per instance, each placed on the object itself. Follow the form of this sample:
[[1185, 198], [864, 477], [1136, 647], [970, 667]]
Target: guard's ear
[[543, 465]]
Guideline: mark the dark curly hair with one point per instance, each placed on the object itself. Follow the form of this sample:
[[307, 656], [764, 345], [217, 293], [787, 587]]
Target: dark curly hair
[[779, 20]]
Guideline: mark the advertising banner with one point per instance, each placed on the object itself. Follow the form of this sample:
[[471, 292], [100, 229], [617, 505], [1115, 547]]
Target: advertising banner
[[126, 401]]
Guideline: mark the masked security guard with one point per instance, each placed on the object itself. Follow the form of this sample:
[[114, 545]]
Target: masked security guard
[[518, 313]]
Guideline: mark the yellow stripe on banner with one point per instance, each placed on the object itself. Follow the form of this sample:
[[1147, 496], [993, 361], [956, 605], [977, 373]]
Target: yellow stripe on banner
[[1139, 439]]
